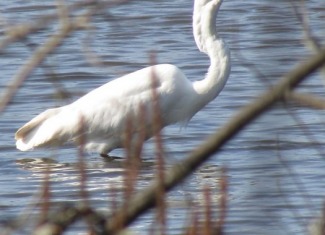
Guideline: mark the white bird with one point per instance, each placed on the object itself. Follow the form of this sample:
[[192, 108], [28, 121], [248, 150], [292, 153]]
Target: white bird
[[102, 116]]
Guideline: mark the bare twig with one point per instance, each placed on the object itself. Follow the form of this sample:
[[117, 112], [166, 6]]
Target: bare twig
[[21, 31], [35, 60], [45, 195], [67, 27], [223, 185], [310, 39], [306, 100], [160, 173], [68, 215], [207, 226], [81, 162]]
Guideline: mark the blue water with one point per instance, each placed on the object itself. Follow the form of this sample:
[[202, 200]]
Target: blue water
[[274, 166]]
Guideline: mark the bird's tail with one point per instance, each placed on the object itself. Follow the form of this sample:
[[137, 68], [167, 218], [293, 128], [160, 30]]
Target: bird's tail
[[40, 131]]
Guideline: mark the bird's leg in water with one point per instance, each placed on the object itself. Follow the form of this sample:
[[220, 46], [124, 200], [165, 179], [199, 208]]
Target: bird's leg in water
[[109, 158], [104, 155]]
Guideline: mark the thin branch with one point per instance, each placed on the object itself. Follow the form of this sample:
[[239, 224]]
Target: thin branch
[[310, 40], [21, 31], [223, 185], [68, 215], [34, 61], [306, 100]]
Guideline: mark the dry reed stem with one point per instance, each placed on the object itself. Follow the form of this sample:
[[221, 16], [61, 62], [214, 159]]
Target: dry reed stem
[[160, 173], [146, 199], [207, 224], [193, 228], [82, 168], [81, 162], [210, 226], [133, 148], [45, 196], [223, 185], [129, 173], [141, 135], [131, 165]]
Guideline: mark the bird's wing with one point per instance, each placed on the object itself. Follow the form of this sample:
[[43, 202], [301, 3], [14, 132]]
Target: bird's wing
[[131, 97], [28, 127]]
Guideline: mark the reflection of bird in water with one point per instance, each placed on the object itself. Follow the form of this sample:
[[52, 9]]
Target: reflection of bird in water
[[101, 117]]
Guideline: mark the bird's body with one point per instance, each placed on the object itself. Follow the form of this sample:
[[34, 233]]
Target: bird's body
[[102, 116]]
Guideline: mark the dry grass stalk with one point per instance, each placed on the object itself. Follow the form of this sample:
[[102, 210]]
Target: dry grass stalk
[[82, 170], [193, 228], [81, 163], [207, 224], [223, 185], [160, 172], [45, 198], [135, 137], [130, 169]]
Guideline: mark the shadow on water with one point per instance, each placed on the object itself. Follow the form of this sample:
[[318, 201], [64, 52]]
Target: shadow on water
[[109, 164]]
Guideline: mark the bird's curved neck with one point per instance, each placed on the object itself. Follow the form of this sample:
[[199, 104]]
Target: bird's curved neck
[[208, 41], [218, 72]]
